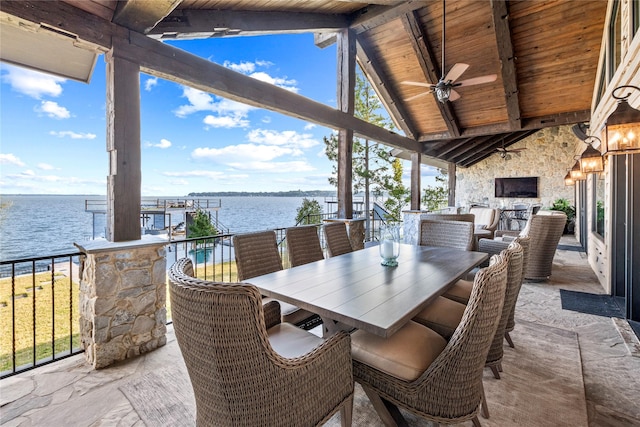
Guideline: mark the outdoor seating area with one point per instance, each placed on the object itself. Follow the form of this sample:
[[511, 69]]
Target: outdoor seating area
[[554, 375]]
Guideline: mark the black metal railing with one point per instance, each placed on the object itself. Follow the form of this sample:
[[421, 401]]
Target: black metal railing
[[39, 297], [38, 311]]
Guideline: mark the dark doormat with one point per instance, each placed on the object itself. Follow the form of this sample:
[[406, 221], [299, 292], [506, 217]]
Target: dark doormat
[[582, 302]]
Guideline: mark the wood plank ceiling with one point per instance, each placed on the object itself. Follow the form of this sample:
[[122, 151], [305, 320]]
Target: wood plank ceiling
[[544, 53]]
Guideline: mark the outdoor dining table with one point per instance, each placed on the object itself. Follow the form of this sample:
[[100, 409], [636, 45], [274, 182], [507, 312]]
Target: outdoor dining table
[[354, 291]]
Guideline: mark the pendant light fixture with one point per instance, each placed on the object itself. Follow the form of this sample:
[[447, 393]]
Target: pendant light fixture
[[622, 128], [591, 159]]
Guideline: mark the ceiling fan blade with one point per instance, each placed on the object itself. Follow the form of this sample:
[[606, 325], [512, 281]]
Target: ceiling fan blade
[[455, 71], [516, 150], [454, 95], [411, 98], [477, 80], [416, 84]]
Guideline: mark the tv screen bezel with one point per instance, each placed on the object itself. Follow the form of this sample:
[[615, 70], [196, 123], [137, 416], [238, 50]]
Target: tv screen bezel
[[519, 182]]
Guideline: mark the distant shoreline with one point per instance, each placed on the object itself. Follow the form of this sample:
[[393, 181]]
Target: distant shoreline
[[299, 193]]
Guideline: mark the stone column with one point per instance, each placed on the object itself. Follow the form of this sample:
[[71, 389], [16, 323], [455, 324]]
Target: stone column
[[411, 225], [355, 230], [122, 299]]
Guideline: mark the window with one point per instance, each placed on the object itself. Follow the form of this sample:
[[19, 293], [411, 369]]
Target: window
[[597, 184], [615, 39]]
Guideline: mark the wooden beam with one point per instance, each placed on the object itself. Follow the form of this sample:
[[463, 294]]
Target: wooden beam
[[474, 157], [500, 16], [430, 69], [416, 162], [383, 88], [142, 15], [68, 19], [123, 146], [162, 60], [560, 119], [189, 24], [472, 145], [370, 17], [346, 103], [451, 175]]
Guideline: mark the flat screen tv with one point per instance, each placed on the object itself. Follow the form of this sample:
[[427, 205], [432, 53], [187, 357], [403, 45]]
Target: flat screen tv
[[526, 187]]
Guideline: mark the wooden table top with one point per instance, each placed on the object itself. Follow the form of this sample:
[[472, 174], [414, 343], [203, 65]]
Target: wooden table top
[[356, 290]]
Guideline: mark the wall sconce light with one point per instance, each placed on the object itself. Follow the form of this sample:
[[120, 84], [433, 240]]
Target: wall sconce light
[[568, 181], [622, 128], [591, 159], [576, 173]]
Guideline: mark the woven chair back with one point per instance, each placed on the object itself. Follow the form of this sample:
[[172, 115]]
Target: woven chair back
[[303, 245], [337, 239], [545, 232], [513, 255], [256, 254], [468, 217], [452, 234], [450, 390], [237, 377]]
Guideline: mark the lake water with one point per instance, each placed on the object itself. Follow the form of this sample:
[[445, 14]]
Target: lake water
[[38, 225]]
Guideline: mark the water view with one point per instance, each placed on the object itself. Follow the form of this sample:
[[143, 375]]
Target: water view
[[37, 225]]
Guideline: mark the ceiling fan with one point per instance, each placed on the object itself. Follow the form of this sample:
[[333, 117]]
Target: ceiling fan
[[444, 89], [504, 151]]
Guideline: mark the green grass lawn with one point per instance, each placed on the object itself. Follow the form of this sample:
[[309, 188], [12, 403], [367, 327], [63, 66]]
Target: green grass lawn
[[66, 294]]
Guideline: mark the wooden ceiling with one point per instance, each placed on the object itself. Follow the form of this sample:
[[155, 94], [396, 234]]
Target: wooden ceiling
[[544, 52]]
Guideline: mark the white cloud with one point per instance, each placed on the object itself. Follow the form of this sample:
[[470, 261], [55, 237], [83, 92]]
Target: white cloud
[[309, 126], [53, 110], [181, 182], [195, 173], [232, 121], [72, 134], [266, 119], [288, 84], [164, 143], [287, 138], [150, 83], [228, 114], [296, 166], [10, 159], [45, 166], [243, 152], [32, 83], [243, 67]]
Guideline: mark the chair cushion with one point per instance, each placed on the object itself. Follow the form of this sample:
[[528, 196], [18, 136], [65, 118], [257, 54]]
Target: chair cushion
[[443, 316], [460, 291], [290, 341], [404, 355], [483, 216]]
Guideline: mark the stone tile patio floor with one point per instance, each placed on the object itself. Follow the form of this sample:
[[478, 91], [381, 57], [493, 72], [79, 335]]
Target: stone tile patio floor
[[71, 393]]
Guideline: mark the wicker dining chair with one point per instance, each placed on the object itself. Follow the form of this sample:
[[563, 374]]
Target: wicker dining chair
[[545, 230], [453, 234], [420, 371], [337, 239], [257, 254], [303, 244], [246, 368]]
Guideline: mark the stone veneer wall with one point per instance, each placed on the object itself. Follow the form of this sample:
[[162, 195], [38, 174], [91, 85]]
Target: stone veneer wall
[[122, 303], [549, 155]]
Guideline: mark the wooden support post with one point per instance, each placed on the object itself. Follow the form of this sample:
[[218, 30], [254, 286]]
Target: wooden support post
[[416, 161], [346, 103], [451, 174], [123, 146]]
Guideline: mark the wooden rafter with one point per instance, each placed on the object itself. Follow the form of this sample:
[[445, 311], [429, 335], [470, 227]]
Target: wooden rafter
[[428, 64], [370, 17], [142, 15], [500, 16], [477, 155], [189, 24], [383, 89]]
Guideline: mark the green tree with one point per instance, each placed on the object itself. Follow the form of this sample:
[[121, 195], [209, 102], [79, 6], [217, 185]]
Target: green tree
[[309, 212], [371, 163], [436, 197], [398, 194], [202, 225]]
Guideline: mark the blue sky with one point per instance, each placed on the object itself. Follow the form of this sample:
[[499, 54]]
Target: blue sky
[[52, 130]]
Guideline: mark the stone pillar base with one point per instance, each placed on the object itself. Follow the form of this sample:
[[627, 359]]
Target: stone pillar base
[[122, 299]]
